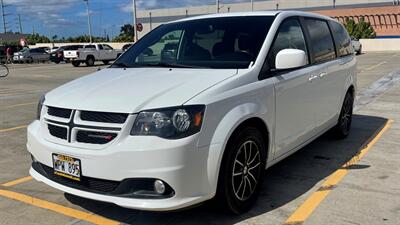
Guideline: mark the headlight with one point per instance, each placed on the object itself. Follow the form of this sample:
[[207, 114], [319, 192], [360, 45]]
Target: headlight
[[171, 123], [39, 107]]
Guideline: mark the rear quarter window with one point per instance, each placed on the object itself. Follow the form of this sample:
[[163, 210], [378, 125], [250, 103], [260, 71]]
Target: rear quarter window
[[322, 46], [342, 39]]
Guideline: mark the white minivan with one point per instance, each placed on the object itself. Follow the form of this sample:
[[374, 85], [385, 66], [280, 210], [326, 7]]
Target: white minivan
[[220, 99]]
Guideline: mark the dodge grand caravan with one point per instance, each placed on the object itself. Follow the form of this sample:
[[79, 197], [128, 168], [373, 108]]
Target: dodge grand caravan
[[221, 99]]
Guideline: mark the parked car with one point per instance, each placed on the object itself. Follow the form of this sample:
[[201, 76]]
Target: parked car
[[91, 53], [46, 49], [164, 135], [356, 45], [53, 49], [31, 55], [58, 55], [126, 46]]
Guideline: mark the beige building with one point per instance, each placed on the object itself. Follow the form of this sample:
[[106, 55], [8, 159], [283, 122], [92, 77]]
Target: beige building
[[153, 18]]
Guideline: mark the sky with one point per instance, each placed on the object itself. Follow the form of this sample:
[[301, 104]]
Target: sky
[[66, 18]]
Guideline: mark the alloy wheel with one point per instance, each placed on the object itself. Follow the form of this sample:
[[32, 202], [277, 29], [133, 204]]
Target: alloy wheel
[[246, 170], [346, 115]]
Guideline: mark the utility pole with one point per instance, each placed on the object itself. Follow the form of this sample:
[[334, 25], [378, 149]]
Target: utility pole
[[20, 24], [3, 16], [217, 4], [89, 22], [134, 19], [252, 5], [151, 25]]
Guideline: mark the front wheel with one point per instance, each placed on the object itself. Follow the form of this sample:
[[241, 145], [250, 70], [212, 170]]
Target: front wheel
[[242, 171], [342, 128], [90, 61]]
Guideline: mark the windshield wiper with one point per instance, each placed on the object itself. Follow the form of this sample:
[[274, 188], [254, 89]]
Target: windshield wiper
[[164, 64]]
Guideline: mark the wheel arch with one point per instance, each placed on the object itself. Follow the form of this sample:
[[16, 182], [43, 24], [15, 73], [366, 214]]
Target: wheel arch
[[90, 56], [227, 128]]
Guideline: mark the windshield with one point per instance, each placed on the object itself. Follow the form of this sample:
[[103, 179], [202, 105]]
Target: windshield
[[225, 42]]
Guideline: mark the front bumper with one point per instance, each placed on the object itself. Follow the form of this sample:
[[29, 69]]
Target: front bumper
[[180, 163]]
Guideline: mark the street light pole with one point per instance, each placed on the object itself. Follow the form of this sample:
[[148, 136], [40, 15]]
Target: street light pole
[[217, 4], [252, 5], [134, 20], [89, 22]]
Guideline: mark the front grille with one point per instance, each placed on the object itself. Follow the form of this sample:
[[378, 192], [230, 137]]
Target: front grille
[[104, 117], [95, 137], [67, 124], [86, 183], [59, 132], [59, 112]]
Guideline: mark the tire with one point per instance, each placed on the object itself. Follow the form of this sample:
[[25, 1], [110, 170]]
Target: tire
[[89, 61], [106, 62], [343, 126], [239, 184], [57, 62], [75, 64]]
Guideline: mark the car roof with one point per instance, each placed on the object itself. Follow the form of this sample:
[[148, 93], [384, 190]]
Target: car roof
[[285, 13]]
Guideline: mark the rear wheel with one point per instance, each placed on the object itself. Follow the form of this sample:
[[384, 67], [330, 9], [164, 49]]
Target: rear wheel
[[242, 171], [90, 61], [75, 64], [342, 128]]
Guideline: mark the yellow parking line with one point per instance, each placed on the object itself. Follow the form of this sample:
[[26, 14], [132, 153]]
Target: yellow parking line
[[13, 128], [22, 104], [311, 203], [57, 208], [18, 181]]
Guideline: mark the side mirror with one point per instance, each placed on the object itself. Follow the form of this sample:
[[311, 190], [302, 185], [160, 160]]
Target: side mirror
[[290, 58]]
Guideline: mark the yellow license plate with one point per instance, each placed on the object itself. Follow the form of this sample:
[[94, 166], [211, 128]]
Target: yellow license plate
[[67, 166]]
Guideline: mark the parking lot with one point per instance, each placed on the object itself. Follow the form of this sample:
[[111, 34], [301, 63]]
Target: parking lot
[[351, 181]]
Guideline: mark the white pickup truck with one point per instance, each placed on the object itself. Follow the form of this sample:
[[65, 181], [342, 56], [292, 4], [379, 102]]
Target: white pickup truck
[[91, 53]]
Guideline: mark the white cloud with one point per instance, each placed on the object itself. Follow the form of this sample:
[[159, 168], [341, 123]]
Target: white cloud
[[47, 11]]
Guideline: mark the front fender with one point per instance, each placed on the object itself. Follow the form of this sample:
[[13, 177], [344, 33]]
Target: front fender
[[223, 132]]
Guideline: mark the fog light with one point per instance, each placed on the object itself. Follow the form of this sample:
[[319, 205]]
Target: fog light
[[159, 187]]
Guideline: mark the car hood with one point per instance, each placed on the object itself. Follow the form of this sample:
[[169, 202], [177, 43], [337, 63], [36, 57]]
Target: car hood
[[134, 89]]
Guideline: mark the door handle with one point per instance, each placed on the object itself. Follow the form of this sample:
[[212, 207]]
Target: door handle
[[312, 77], [321, 75]]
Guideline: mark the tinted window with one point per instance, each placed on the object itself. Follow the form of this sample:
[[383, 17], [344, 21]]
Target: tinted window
[[225, 42], [107, 47], [73, 47], [289, 36], [90, 46], [100, 47], [342, 39], [322, 46]]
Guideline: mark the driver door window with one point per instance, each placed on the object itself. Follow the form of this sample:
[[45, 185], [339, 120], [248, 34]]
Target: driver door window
[[289, 35]]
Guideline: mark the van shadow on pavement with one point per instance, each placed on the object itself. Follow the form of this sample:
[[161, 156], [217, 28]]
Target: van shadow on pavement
[[284, 182]]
